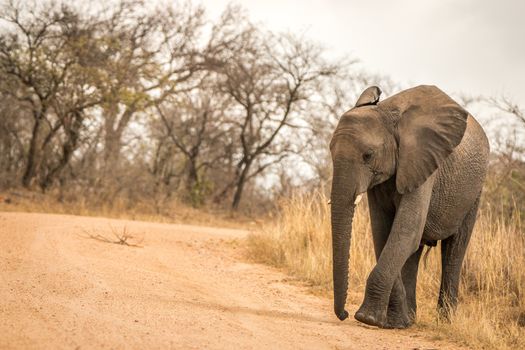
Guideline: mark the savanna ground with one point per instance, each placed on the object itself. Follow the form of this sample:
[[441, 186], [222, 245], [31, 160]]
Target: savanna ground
[[92, 282], [68, 282]]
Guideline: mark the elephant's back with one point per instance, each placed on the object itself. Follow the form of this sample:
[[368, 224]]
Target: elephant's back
[[458, 183], [476, 138], [470, 157]]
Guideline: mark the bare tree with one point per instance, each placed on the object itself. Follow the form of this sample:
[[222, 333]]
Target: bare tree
[[506, 174], [39, 53], [506, 105], [223, 104], [271, 80], [14, 122], [194, 123], [148, 56]]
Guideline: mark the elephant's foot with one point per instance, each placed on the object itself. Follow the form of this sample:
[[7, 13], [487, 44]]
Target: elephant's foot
[[398, 320], [398, 316], [446, 308], [445, 314], [371, 316]]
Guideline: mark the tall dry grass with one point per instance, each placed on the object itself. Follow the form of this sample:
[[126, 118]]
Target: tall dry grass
[[491, 313]]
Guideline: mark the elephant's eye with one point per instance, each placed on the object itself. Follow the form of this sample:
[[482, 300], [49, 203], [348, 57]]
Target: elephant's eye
[[367, 156]]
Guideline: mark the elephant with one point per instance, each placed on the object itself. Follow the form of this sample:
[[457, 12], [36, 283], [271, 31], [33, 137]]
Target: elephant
[[421, 159]]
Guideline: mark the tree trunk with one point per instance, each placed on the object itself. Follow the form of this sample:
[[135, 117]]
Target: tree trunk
[[240, 186], [32, 156], [69, 146], [193, 176], [114, 127]]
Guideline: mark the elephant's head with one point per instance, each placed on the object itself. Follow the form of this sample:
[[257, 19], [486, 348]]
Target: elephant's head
[[407, 136]]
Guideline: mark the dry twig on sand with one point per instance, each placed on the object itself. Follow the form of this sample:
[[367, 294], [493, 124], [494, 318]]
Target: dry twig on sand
[[122, 238]]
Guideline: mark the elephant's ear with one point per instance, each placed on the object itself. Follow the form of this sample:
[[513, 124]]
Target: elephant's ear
[[369, 97], [428, 130]]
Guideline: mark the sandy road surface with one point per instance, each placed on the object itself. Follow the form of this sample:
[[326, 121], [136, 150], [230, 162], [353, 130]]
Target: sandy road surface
[[186, 287]]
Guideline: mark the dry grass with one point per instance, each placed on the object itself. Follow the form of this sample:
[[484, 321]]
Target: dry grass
[[491, 312], [120, 208]]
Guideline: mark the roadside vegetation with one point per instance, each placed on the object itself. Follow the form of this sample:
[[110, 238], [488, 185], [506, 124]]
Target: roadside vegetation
[[491, 311], [173, 211]]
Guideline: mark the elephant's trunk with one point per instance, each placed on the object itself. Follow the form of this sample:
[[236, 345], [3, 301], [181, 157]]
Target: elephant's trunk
[[342, 210]]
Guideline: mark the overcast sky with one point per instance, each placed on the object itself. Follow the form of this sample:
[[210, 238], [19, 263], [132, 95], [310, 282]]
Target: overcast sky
[[469, 46]]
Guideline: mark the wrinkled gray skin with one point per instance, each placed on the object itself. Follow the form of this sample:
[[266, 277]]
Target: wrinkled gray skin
[[422, 159]]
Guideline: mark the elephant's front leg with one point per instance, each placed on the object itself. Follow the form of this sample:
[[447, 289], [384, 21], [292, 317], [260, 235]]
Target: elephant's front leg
[[398, 311], [382, 218], [402, 242], [402, 305]]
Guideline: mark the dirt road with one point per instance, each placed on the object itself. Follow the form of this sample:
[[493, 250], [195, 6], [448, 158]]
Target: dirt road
[[185, 287]]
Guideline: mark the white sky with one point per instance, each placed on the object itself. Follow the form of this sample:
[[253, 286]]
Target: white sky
[[468, 46]]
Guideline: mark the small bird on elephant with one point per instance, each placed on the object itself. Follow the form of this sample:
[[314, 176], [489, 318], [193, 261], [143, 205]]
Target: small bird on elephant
[[422, 160]]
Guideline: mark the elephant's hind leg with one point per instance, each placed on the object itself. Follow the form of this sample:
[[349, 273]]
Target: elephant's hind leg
[[453, 251]]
